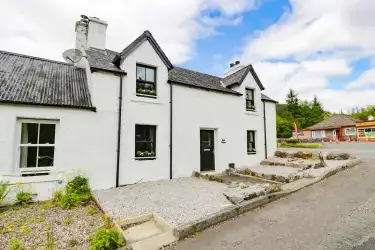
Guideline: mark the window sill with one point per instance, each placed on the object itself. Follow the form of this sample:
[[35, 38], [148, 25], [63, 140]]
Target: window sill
[[153, 99], [252, 153], [253, 112], [147, 96], [145, 158]]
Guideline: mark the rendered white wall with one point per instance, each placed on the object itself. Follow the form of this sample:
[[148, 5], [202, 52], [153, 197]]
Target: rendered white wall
[[271, 128], [194, 109], [85, 140], [148, 111], [96, 33]]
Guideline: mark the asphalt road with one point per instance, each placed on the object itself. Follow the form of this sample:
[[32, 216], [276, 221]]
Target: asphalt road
[[337, 213]]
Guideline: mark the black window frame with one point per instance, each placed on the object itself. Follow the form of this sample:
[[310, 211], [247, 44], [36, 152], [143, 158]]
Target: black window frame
[[141, 89], [248, 141], [250, 103], [140, 142]]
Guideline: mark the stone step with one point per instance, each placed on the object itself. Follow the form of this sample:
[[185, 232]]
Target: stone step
[[143, 231], [155, 242]]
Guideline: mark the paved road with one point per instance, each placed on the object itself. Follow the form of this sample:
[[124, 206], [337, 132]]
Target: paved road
[[337, 213]]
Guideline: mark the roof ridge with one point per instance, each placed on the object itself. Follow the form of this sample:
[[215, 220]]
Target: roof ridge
[[198, 72], [245, 67], [35, 58]]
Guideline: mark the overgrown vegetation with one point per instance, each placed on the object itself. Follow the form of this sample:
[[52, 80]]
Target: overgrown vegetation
[[77, 192], [24, 198], [107, 237], [304, 113], [4, 190], [208, 177], [16, 244], [271, 177], [298, 145], [363, 113]]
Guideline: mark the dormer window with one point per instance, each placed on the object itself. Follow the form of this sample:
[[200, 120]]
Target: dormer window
[[250, 104], [146, 81]]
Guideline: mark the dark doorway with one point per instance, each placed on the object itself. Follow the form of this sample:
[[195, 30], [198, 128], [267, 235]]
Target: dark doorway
[[207, 150]]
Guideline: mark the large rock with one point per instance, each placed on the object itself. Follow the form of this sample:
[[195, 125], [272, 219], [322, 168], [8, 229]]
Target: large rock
[[282, 154], [303, 155], [338, 156]]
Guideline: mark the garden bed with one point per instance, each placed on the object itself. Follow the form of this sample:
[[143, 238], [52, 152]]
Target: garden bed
[[30, 225]]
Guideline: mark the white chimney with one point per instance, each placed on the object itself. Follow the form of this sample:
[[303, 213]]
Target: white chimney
[[91, 32], [233, 67]]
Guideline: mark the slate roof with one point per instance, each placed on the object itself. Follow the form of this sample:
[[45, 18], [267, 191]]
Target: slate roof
[[199, 80], [238, 77], [335, 121], [36, 81], [267, 99], [137, 42], [103, 60]]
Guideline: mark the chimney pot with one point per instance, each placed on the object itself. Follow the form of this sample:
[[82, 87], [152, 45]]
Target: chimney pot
[[237, 62], [231, 65]]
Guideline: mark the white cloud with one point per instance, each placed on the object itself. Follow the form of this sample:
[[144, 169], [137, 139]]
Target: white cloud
[[367, 78], [311, 42], [46, 28]]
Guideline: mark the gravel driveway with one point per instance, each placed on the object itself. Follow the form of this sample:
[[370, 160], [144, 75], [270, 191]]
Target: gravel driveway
[[178, 201]]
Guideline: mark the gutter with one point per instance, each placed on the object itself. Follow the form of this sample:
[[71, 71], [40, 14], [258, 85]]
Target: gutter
[[170, 131], [265, 130], [119, 133]]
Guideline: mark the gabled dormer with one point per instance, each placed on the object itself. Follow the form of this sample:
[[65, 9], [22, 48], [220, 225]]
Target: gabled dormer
[[244, 80]]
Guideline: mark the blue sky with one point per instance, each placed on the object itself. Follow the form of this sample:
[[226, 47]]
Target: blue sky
[[316, 47]]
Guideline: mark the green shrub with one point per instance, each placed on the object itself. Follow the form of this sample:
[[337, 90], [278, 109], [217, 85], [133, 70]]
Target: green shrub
[[4, 190], [16, 244], [57, 196], [104, 239], [24, 198], [70, 200], [107, 237], [79, 185], [292, 141], [77, 192]]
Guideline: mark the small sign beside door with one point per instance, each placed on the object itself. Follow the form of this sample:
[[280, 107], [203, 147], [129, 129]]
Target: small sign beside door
[[223, 141]]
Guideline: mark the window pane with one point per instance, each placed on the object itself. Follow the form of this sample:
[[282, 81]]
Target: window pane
[[150, 75], [145, 140], [249, 94], [45, 158], [28, 157], [47, 133], [141, 73], [29, 133]]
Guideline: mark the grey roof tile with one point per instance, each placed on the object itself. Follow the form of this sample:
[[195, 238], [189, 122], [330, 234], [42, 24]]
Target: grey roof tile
[[103, 60], [267, 99], [238, 77], [199, 80], [137, 42], [36, 81], [335, 121]]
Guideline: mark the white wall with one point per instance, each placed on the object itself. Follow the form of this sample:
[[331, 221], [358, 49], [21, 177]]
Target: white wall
[[271, 128], [194, 109], [148, 111], [84, 141]]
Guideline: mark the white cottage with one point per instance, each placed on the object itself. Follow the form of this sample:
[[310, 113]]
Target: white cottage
[[121, 118]]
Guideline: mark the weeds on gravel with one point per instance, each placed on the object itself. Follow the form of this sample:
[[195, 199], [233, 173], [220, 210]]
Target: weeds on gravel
[[50, 242], [68, 221], [73, 243], [4, 190], [16, 244], [91, 211], [107, 237], [77, 192], [208, 177]]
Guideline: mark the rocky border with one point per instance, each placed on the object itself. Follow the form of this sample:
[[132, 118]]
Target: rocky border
[[231, 212]]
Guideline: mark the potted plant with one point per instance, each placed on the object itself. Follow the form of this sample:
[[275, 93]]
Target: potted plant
[[140, 153], [250, 107]]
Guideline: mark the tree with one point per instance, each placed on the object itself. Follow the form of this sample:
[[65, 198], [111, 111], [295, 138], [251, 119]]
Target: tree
[[292, 102]]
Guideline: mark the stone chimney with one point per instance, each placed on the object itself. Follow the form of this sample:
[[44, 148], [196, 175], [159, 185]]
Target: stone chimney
[[90, 32], [233, 67]]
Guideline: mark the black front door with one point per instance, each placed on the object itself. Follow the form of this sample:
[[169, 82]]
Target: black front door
[[207, 150]]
